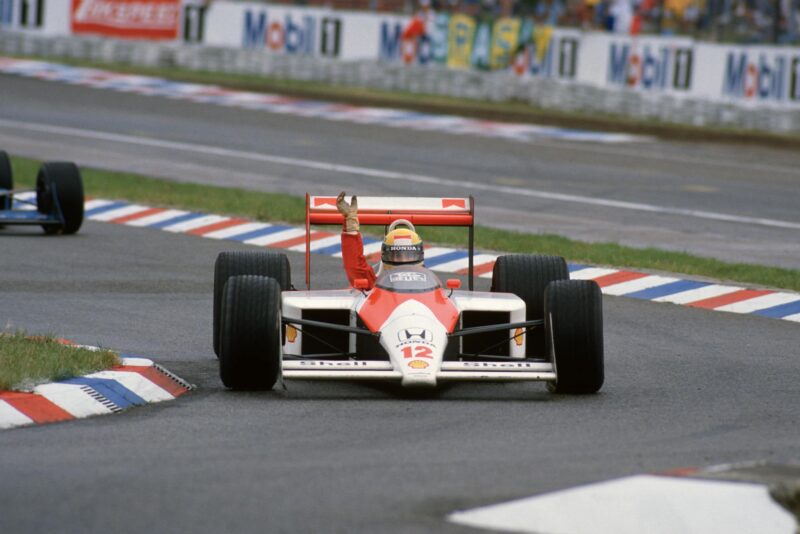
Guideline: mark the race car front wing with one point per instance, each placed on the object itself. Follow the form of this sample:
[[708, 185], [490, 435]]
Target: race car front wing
[[377, 370]]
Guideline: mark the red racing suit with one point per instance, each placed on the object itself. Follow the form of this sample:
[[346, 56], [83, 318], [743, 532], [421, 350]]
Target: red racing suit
[[355, 264]]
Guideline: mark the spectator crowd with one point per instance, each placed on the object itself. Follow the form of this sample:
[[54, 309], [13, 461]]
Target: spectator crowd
[[732, 21]]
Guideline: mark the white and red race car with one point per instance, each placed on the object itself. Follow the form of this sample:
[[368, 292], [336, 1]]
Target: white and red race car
[[534, 324]]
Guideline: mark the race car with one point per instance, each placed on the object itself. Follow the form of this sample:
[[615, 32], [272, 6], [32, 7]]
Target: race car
[[58, 205], [535, 324]]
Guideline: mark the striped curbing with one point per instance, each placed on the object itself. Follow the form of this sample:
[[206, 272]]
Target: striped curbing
[[136, 382], [213, 95], [657, 288]]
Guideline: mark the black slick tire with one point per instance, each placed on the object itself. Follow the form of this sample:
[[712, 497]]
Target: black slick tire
[[6, 180], [574, 329], [59, 187], [527, 276], [250, 333], [240, 262]]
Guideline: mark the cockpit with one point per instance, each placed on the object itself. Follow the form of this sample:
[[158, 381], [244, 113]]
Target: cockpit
[[408, 279]]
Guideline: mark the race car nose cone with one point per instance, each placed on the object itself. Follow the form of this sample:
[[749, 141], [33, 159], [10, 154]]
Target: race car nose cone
[[419, 380]]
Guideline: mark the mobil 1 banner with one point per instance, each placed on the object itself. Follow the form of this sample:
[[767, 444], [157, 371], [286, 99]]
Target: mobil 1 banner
[[751, 75], [648, 64], [274, 29], [459, 41], [49, 17]]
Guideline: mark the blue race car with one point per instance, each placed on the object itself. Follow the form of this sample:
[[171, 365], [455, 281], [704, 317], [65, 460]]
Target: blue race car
[[58, 203]]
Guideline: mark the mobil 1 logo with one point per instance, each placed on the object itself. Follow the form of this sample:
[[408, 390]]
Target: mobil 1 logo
[[651, 67], [194, 22], [22, 13], [330, 37]]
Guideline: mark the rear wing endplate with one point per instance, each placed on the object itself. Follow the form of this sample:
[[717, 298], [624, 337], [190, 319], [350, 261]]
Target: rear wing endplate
[[383, 211]]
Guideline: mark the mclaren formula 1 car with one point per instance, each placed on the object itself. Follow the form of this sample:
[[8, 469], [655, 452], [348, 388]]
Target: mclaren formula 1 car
[[534, 324], [58, 204]]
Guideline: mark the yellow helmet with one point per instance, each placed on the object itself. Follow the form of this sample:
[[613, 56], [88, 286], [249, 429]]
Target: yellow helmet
[[402, 245]]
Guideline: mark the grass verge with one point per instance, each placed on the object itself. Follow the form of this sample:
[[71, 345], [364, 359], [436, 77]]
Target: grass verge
[[290, 209], [26, 361], [500, 111]]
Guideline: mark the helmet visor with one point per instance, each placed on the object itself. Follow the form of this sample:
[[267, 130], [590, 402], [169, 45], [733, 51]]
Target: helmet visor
[[398, 254]]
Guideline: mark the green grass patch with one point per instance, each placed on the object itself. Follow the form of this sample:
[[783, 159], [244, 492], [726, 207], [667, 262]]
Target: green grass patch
[[27, 361], [513, 111], [285, 208]]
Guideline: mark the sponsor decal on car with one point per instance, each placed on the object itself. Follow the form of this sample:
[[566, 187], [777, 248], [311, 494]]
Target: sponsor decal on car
[[418, 364], [408, 276], [291, 334], [519, 336], [415, 334], [498, 365]]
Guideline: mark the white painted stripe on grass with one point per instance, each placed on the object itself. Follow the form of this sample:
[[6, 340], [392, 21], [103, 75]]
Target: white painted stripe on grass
[[11, 417], [240, 229], [369, 248], [644, 503], [695, 295], [135, 382], [463, 263], [72, 399], [639, 284], [590, 273], [156, 218], [191, 224], [96, 203], [277, 237], [318, 244], [385, 174], [119, 212], [433, 252], [760, 303]]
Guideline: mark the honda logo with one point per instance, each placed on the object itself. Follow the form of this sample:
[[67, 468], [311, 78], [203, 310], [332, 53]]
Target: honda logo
[[415, 334]]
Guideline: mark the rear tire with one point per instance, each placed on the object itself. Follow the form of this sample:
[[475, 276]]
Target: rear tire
[[240, 262], [59, 185], [250, 333], [574, 328], [527, 276]]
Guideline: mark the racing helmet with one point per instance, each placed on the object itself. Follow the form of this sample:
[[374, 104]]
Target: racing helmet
[[401, 246]]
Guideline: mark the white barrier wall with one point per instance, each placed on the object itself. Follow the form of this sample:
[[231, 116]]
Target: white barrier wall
[[681, 68], [44, 17]]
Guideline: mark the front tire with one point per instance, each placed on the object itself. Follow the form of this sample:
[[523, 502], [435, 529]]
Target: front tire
[[240, 262], [574, 331], [250, 333], [527, 276], [59, 187]]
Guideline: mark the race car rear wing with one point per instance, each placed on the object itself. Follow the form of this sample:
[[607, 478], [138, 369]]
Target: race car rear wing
[[383, 211]]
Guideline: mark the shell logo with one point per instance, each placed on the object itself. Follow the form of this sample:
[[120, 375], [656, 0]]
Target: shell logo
[[418, 364], [519, 336], [291, 333]]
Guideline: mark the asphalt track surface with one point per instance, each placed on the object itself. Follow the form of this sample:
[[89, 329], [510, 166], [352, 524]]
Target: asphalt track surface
[[684, 386], [737, 203]]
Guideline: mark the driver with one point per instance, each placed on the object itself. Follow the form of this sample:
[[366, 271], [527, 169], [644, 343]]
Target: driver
[[401, 246]]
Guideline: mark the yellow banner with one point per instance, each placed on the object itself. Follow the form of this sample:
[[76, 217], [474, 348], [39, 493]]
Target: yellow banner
[[459, 40], [505, 37], [541, 37]]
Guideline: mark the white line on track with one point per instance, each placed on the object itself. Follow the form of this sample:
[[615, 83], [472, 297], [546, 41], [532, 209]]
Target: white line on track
[[393, 175]]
